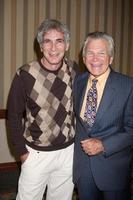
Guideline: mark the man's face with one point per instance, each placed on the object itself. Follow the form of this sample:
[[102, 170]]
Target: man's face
[[53, 49], [96, 57]]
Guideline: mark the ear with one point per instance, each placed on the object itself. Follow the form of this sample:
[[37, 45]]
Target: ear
[[84, 60], [41, 47], [67, 46], [111, 60]]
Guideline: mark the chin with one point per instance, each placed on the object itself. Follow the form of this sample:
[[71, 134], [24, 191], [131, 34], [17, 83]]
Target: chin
[[95, 73]]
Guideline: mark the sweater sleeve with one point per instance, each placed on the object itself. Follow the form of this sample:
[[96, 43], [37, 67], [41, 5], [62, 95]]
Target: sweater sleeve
[[16, 107]]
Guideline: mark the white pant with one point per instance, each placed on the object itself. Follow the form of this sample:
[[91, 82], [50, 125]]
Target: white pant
[[52, 169]]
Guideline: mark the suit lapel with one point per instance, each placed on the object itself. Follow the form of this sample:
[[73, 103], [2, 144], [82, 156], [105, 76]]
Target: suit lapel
[[107, 98]]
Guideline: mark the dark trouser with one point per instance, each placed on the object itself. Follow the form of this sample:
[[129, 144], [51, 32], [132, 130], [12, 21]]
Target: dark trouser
[[87, 190]]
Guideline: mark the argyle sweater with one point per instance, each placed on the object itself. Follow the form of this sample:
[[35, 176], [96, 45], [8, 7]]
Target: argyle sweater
[[46, 98]]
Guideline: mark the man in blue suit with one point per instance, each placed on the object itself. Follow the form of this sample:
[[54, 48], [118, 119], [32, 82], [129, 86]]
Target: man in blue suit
[[103, 149]]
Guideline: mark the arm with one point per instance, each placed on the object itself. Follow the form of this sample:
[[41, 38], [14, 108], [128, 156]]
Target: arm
[[16, 108], [123, 139]]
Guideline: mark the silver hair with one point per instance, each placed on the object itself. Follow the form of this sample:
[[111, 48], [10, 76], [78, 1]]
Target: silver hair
[[103, 36], [50, 24]]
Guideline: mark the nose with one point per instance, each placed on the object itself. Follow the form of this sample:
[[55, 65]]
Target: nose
[[95, 57], [53, 46]]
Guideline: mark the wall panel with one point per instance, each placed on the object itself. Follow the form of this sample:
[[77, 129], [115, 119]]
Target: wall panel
[[1, 54], [7, 49], [19, 20]]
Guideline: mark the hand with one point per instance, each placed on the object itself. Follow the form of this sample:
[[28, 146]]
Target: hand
[[92, 146], [24, 157]]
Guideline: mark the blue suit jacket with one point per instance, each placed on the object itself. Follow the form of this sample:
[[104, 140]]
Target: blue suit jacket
[[114, 126]]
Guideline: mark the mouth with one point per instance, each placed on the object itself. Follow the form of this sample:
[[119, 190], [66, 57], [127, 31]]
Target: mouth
[[96, 65], [54, 54]]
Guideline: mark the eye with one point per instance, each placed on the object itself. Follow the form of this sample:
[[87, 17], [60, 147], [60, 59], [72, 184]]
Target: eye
[[101, 53], [60, 40], [89, 53], [46, 41]]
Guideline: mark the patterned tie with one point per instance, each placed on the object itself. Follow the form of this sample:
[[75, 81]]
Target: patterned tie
[[91, 104]]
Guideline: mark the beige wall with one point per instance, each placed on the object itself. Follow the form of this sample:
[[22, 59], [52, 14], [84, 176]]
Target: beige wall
[[19, 20], [5, 152]]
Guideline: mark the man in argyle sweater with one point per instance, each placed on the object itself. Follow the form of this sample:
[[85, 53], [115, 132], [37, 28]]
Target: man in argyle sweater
[[44, 138]]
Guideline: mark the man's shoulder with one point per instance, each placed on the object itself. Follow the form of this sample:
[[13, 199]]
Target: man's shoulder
[[120, 75], [72, 64], [82, 76], [122, 79], [31, 66]]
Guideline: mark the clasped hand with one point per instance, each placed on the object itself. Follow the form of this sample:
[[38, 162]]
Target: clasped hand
[[92, 146]]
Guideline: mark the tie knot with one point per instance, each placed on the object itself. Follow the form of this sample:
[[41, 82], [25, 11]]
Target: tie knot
[[94, 82]]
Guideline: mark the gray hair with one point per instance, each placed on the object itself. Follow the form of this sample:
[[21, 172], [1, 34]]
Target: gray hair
[[103, 36], [50, 24]]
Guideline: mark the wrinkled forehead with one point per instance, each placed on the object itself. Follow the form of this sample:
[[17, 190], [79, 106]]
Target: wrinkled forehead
[[96, 44], [51, 32], [97, 41], [54, 35]]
